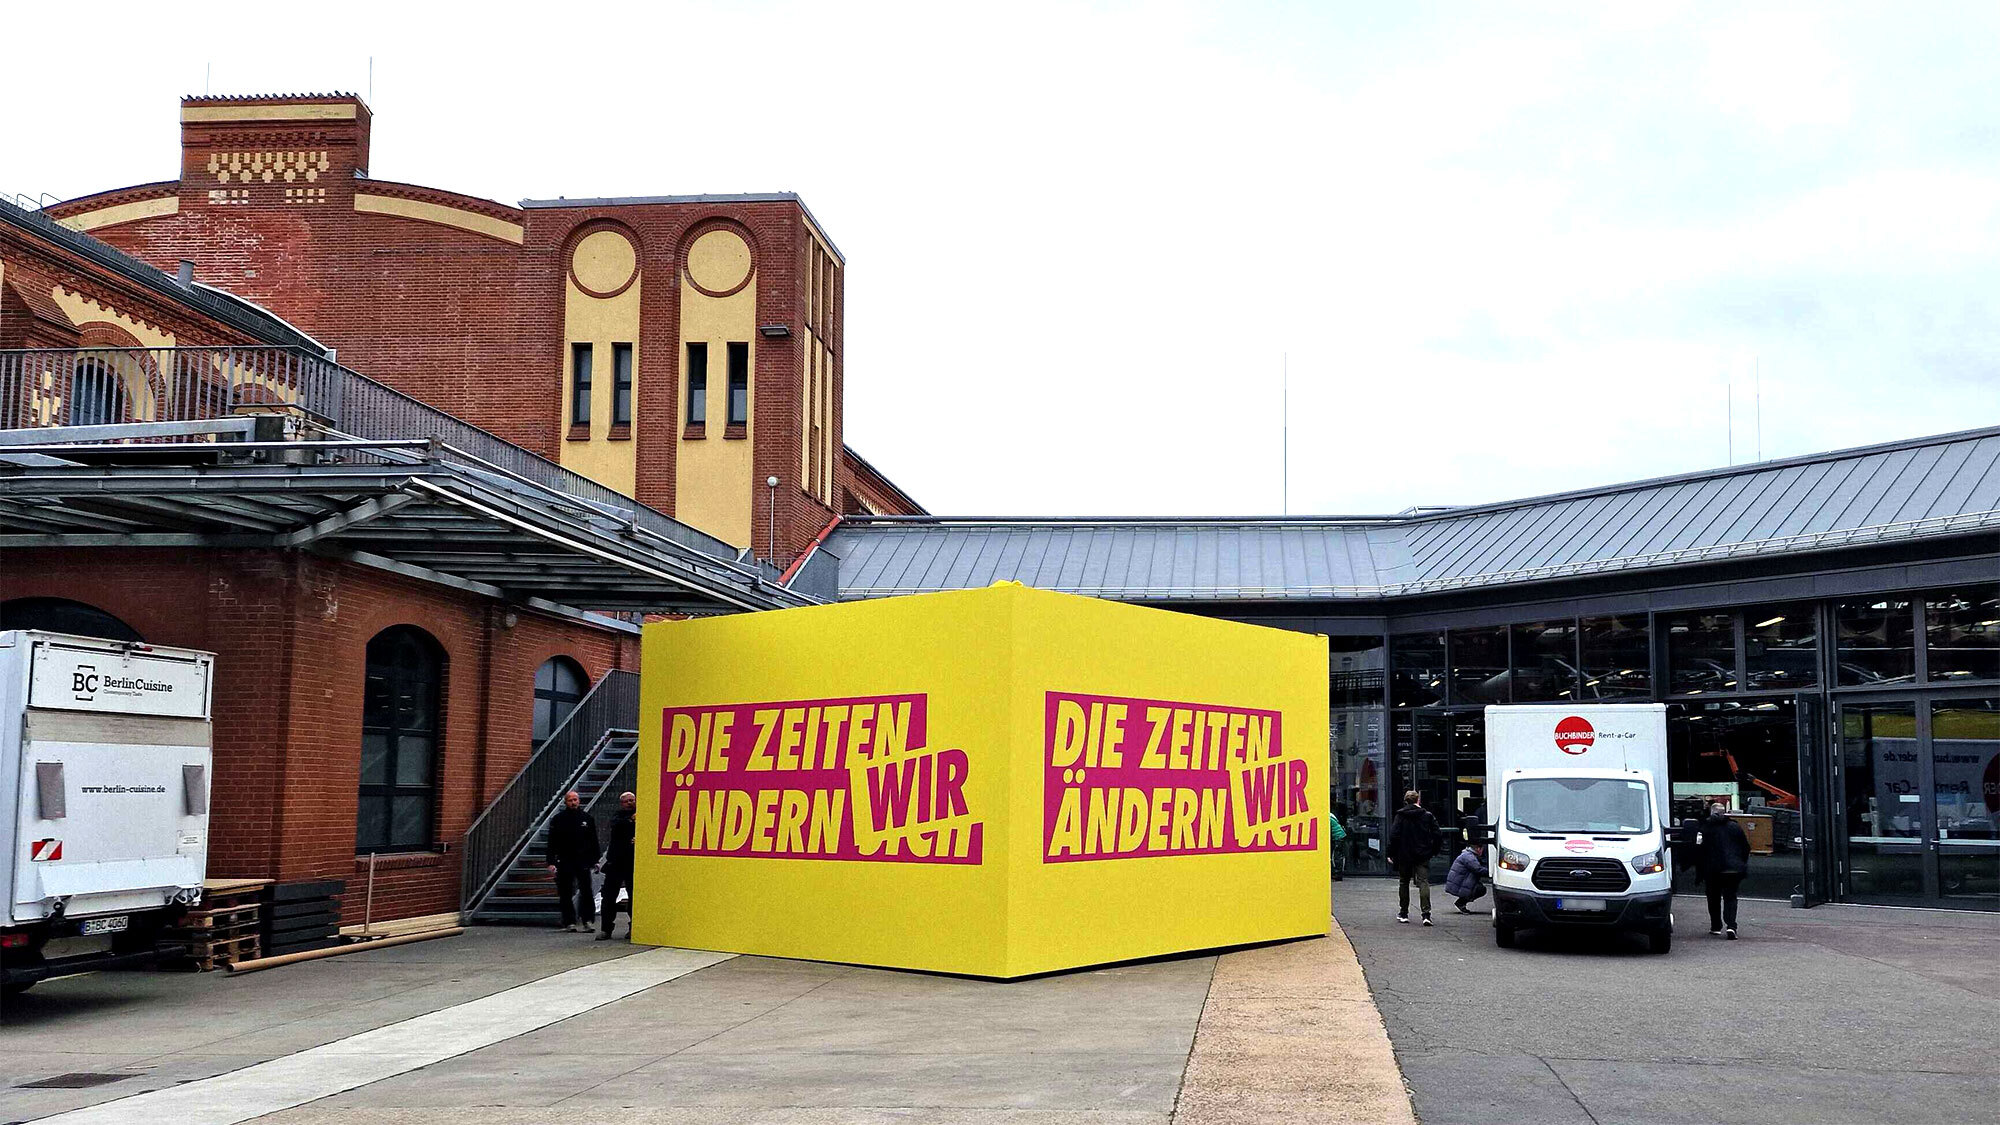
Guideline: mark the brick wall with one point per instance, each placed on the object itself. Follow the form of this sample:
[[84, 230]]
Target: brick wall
[[290, 632], [471, 323]]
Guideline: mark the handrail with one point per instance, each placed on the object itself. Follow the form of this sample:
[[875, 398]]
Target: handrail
[[494, 839], [68, 387]]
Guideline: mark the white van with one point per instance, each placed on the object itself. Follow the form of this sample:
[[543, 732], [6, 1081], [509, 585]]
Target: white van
[[104, 784], [1577, 817]]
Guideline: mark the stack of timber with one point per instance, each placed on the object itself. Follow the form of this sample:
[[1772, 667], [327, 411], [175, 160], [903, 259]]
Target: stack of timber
[[402, 927], [226, 927], [301, 916]]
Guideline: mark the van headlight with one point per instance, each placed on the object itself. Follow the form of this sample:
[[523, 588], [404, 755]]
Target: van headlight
[[1513, 860], [1648, 864]]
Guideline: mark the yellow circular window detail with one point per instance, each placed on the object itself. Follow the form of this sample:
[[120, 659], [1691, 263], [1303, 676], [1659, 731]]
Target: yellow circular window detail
[[603, 263], [719, 262]]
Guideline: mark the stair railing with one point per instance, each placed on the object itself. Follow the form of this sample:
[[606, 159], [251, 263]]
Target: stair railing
[[497, 834]]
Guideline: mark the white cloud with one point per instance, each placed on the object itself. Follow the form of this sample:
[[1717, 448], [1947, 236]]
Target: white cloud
[[1080, 237]]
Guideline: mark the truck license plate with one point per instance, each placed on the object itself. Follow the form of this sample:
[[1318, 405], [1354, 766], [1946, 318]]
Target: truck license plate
[[113, 925], [1579, 904]]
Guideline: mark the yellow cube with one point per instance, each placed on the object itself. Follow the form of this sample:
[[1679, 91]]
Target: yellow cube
[[995, 782]]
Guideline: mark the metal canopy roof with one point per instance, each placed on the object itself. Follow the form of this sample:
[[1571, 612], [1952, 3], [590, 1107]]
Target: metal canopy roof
[[1925, 488], [416, 508]]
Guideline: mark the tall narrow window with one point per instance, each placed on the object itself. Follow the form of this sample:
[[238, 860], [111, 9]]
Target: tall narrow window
[[739, 384], [621, 384], [399, 737], [697, 384], [579, 393], [559, 685]]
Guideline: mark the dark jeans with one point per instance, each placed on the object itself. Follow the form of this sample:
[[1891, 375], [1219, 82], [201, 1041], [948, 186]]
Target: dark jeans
[[607, 904], [573, 887], [1420, 872], [1722, 900], [1478, 893]]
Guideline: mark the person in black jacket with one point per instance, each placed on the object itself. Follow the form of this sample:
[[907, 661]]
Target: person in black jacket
[[1723, 858], [618, 864], [572, 856], [1413, 839]]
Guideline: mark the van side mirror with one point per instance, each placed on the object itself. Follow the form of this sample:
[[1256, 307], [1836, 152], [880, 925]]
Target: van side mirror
[[1478, 834]]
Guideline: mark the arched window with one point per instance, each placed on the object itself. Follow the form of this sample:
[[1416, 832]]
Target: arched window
[[399, 738], [97, 395], [60, 615], [559, 684]]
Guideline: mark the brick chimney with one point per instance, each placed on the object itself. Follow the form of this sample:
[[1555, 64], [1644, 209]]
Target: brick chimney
[[272, 149]]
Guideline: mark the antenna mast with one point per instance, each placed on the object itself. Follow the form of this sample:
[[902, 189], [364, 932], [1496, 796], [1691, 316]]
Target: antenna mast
[[1285, 433]]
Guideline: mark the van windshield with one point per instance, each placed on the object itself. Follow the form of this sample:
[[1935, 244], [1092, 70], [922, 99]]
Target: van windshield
[[1579, 804]]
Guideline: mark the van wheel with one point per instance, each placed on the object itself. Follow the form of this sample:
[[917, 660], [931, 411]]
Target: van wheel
[[1660, 941], [1503, 936]]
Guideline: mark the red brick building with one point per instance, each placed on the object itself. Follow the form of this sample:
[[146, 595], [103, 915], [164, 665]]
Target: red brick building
[[683, 350], [396, 622]]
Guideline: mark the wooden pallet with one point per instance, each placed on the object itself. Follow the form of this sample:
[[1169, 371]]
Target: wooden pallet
[[223, 917], [217, 953]]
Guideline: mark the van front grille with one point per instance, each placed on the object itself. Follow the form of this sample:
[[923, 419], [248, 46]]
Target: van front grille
[[1566, 873]]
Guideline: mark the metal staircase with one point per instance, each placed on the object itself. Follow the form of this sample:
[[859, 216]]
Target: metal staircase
[[526, 892], [595, 752]]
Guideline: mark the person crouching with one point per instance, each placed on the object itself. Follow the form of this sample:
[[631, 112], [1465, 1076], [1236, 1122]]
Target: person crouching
[[1466, 880]]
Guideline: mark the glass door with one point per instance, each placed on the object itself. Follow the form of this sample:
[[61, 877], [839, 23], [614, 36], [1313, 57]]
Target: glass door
[[1423, 753], [1883, 808], [1965, 800], [1921, 802]]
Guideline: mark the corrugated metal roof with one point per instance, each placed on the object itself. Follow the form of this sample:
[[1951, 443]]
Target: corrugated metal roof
[[1928, 487]]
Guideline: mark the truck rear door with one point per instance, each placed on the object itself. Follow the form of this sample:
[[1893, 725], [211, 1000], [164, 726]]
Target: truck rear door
[[112, 812]]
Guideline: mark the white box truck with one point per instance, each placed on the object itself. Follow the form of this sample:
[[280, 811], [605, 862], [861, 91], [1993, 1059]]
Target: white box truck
[[1578, 825], [104, 780]]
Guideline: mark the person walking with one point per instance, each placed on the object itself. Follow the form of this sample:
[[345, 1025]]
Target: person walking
[[1724, 859], [618, 865], [1466, 880], [1336, 842], [1413, 839], [571, 857]]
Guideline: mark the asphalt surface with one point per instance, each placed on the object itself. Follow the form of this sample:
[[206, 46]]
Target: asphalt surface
[[1827, 1016]]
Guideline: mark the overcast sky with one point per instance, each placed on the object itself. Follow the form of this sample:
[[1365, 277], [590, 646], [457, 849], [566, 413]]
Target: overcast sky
[[1507, 250]]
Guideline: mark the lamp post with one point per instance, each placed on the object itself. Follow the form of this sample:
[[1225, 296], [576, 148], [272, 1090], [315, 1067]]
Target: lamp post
[[771, 542]]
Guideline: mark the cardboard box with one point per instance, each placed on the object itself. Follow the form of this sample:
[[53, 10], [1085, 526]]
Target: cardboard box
[[995, 782], [1757, 827]]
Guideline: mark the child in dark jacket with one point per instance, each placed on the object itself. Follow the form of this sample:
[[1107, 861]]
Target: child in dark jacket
[[1466, 879]]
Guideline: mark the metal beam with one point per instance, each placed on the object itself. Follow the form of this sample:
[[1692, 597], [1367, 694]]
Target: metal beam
[[63, 435], [134, 539], [359, 514]]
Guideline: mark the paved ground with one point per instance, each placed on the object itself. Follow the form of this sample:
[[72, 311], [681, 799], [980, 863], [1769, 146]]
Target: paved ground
[[1281, 1032], [1831, 1015]]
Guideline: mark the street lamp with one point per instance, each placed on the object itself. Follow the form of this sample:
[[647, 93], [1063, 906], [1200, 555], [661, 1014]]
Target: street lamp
[[771, 543]]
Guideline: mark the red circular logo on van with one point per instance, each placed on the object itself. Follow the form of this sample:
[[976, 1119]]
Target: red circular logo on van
[[1574, 735]]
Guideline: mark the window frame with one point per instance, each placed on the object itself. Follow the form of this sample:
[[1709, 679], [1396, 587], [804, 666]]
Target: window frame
[[697, 385], [555, 695], [738, 406], [621, 384], [581, 359], [389, 789]]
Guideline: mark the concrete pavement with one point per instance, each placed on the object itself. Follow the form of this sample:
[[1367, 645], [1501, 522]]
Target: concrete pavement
[[1825, 1016], [1280, 1032]]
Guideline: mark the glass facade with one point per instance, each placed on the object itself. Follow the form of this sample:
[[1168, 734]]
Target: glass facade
[[1616, 658], [1856, 740], [1416, 669], [1876, 642], [1479, 671], [1701, 653], [1962, 634], [1545, 662], [1361, 795]]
